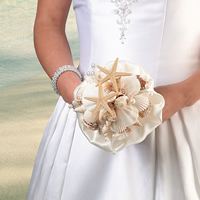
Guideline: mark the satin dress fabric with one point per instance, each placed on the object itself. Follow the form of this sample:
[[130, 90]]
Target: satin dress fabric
[[164, 37]]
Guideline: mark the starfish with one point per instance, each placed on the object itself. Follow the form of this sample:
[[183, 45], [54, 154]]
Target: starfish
[[101, 101], [112, 74]]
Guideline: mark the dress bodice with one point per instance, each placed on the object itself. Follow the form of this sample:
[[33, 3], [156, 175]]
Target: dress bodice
[[163, 36]]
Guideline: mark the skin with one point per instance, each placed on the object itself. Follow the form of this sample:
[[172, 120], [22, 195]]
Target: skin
[[53, 51]]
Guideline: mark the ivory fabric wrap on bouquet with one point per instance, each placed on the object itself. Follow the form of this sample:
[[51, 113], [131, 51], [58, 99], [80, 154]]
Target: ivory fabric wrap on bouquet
[[117, 106]]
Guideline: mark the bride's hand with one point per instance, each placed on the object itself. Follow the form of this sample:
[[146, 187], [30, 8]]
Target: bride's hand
[[180, 95], [66, 85], [175, 100]]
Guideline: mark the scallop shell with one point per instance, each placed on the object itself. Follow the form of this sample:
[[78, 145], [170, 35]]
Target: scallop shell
[[123, 133], [126, 116], [80, 109], [131, 84], [145, 112], [141, 102]]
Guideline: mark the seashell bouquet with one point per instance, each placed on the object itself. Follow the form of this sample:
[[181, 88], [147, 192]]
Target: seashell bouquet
[[117, 106]]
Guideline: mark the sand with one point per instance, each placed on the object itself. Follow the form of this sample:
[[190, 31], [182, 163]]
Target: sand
[[24, 112]]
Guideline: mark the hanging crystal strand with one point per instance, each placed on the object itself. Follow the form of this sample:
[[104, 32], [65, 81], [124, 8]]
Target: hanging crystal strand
[[123, 10]]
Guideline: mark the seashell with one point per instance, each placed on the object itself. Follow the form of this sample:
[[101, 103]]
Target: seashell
[[149, 83], [123, 91], [104, 115], [107, 86], [121, 101], [90, 122], [88, 117], [120, 83], [80, 109], [79, 93], [91, 126], [131, 84], [141, 102], [111, 99], [126, 116], [100, 75], [100, 127], [138, 124], [79, 100], [106, 130], [123, 133], [145, 112], [143, 82], [121, 129]]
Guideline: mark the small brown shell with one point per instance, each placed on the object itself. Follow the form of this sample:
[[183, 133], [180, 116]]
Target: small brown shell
[[104, 115], [123, 133], [145, 112], [80, 109], [121, 101], [91, 126], [142, 82]]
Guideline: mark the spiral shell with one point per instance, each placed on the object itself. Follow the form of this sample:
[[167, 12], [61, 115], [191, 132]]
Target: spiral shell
[[120, 85], [111, 99], [90, 122], [107, 132], [88, 117], [104, 115], [80, 109], [108, 86], [100, 75], [121, 101], [142, 82], [91, 126]]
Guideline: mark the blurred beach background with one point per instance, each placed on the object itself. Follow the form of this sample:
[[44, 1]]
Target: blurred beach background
[[26, 97]]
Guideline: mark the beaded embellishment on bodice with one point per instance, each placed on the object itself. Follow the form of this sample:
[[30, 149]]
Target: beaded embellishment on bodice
[[123, 10]]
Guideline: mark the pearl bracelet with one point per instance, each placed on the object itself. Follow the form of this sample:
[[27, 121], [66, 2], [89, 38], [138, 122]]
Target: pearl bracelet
[[61, 70]]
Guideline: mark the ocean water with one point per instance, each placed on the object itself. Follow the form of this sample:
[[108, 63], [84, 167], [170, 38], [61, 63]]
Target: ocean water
[[18, 60]]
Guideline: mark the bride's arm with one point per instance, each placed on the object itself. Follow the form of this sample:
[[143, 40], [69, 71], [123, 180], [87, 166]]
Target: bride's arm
[[51, 44], [180, 95]]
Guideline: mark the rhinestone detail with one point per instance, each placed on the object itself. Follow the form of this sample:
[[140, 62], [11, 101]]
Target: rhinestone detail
[[61, 70], [123, 10]]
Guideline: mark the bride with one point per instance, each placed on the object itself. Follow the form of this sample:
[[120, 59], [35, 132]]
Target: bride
[[163, 36]]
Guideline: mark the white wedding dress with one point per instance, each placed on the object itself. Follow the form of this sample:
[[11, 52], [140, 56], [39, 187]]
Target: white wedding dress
[[164, 37]]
